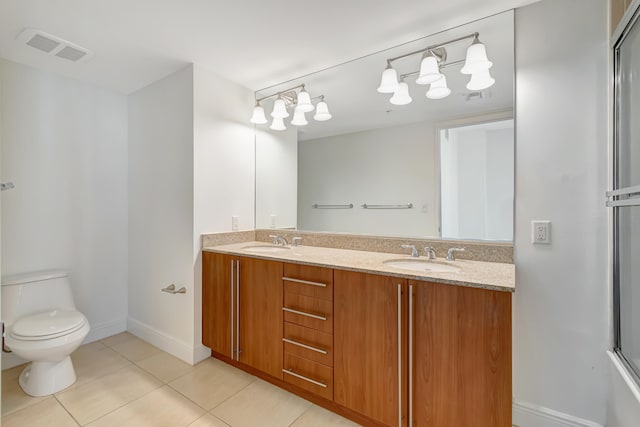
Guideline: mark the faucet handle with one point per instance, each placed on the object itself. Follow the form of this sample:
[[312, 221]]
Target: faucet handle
[[450, 252], [429, 252], [295, 240], [276, 239], [414, 251]]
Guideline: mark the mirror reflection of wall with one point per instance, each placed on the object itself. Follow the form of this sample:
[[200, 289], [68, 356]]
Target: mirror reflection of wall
[[372, 151], [476, 181]]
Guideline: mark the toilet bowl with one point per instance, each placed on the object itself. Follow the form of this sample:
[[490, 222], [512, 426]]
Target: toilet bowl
[[43, 326]]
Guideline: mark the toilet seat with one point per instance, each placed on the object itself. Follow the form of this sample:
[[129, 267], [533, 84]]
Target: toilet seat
[[47, 325]]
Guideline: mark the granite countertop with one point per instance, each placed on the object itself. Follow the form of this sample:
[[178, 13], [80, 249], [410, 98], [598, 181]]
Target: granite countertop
[[477, 274]]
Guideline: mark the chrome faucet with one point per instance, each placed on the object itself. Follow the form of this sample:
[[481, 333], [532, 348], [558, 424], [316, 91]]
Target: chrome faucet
[[294, 241], [278, 240], [450, 252], [414, 251], [429, 252]]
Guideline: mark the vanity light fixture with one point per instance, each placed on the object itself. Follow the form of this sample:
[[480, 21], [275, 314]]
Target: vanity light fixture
[[430, 68], [389, 80], [476, 59], [322, 111], [258, 116], [296, 97], [433, 60], [304, 104], [279, 109], [401, 95], [439, 89], [480, 80], [278, 124], [298, 118]]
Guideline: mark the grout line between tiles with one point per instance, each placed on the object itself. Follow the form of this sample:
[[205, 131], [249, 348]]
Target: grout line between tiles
[[66, 410], [128, 403]]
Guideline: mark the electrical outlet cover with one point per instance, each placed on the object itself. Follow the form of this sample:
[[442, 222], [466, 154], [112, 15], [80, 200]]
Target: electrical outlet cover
[[541, 232]]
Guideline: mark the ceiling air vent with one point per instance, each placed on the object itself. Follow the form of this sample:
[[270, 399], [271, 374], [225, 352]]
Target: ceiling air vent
[[53, 45]]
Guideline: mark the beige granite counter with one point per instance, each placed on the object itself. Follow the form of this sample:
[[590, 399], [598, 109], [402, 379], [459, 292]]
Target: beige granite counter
[[477, 274]]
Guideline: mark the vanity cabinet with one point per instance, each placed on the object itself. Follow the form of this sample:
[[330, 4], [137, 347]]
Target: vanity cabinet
[[369, 347], [378, 349], [241, 310], [460, 356], [308, 328], [412, 353]]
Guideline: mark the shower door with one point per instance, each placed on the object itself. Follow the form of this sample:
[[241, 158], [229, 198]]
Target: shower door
[[625, 197]]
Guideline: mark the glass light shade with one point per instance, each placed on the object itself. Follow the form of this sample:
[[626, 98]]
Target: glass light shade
[[258, 116], [278, 124], [480, 80], [389, 81], [322, 112], [279, 109], [429, 70], [304, 104], [298, 118], [401, 95], [439, 89], [476, 59]]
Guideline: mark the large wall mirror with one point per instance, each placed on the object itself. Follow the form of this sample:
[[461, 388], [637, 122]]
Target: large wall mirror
[[412, 163]]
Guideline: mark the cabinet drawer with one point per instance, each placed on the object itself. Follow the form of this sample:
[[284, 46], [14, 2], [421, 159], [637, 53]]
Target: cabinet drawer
[[313, 313], [308, 375], [316, 282], [308, 343]]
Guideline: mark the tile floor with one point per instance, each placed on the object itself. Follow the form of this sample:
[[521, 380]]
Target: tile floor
[[124, 381]]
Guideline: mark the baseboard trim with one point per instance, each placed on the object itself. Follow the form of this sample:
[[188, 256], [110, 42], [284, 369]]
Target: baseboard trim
[[165, 342], [105, 329], [528, 415]]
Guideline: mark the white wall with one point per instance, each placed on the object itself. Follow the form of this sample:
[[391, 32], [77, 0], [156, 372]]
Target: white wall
[[355, 168], [560, 321], [223, 170], [64, 145], [277, 178], [161, 221]]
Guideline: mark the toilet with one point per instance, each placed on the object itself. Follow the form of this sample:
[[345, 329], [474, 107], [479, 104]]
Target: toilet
[[42, 325]]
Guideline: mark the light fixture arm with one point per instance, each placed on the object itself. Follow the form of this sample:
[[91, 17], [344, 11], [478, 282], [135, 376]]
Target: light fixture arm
[[433, 47], [282, 92], [417, 72]]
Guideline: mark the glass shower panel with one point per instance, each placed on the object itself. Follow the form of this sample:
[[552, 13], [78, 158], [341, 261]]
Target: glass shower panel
[[629, 283], [628, 110]]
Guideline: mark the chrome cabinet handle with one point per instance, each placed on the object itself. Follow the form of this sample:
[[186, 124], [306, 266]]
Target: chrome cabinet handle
[[410, 355], [302, 313], [308, 347], [400, 355], [302, 377], [306, 282], [232, 310], [237, 309]]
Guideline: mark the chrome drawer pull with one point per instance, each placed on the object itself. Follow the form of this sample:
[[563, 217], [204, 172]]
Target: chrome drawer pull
[[306, 282], [308, 347], [290, 372], [302, 313]]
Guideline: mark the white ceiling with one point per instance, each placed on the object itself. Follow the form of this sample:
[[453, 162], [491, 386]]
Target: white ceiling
[[256, 43]]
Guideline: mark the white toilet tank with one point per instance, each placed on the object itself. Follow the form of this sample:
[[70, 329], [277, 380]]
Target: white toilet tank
[[35, 292]]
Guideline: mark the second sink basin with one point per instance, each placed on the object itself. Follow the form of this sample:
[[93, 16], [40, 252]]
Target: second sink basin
[[420, 265], [266, 248]]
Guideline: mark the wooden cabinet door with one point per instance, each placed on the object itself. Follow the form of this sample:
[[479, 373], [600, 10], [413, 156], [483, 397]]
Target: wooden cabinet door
[[461, 356], [369, 350], [217, 286], [260, 317]]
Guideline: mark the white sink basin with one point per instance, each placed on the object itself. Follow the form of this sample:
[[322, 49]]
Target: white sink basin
[[265, 249], [422, 265]]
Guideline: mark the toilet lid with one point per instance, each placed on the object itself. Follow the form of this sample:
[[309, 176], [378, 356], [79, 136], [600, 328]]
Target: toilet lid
[[49, 324]]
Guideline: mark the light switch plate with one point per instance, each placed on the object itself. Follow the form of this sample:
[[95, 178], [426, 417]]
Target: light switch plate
[[235, 223]]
